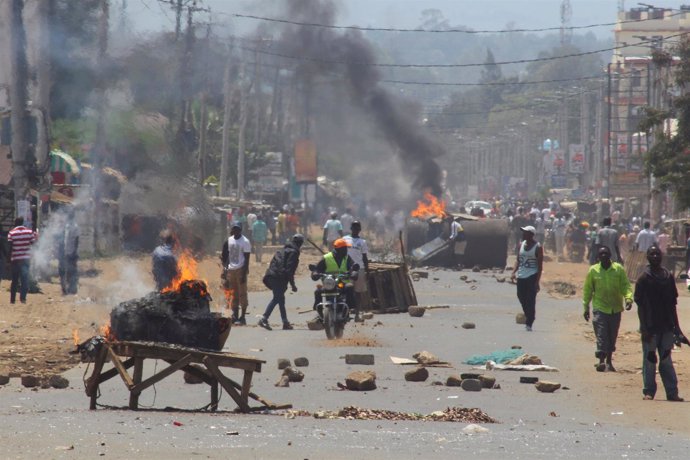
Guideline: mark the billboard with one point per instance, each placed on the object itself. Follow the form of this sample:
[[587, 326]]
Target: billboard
[[305, 161], [576, 159]]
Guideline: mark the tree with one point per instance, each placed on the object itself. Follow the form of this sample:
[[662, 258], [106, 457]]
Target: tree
[[668, 160]]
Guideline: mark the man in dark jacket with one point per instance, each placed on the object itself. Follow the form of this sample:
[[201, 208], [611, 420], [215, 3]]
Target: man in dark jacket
[[656, 297], [164, 262], [280, 272]]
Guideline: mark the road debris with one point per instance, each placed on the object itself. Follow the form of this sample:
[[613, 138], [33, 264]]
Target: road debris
[[416, 311], [547, 387], [471, 385], [283, 363], [418, 374], [301, 362], [361, 381], [450, 414], [468, 325], [365, 360]]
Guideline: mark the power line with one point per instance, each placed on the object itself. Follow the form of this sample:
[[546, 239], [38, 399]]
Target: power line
[[464, 31], [519, 61]]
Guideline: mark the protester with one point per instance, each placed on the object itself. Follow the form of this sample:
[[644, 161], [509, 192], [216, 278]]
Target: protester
[[645, 239], [235, 259], [656, 298], [4, 253], [606, 286], [68, 256], [332, 230], [281, 228], [528, 268], [20, 238], [292, 222], [346, 221], [164, 262], [336, 262], [358, 251], [608, 236], [560, 226], [251, 219], [280, 272], [259, 235]]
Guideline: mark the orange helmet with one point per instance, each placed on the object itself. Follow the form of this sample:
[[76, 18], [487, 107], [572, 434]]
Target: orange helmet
[[341, 243]]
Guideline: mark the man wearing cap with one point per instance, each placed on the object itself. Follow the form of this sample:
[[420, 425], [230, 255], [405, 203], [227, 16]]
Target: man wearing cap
[[528, 268], [334, 263], [235, 259]]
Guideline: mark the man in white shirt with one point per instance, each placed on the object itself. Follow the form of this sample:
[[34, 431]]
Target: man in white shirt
[[645, 239], [358, 251], [332, 230], [346, 221], [235, 259]]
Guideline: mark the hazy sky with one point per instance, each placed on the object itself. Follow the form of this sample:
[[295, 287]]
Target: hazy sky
[[478, 14]]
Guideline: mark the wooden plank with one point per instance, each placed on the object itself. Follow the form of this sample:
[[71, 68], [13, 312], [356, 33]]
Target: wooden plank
[[110, 373], [136, 377], [214, 396], [246, 385], [92, 383], [120, 368], [162, 374], [226, 383]]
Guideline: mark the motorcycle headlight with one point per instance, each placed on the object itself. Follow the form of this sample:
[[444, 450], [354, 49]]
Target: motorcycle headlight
[[329, 283]]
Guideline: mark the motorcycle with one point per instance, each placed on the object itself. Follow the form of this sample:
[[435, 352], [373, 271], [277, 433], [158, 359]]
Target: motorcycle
[[333, 309]]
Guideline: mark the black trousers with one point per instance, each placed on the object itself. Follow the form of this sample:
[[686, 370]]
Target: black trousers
[[527, 295]]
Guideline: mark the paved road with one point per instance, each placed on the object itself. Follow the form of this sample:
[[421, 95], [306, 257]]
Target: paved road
[[58, 424]]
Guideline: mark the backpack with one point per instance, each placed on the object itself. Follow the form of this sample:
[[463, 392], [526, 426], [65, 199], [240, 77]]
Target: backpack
[[276, 269]]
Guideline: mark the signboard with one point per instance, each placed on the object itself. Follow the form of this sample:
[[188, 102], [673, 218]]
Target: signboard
[[305, 161], [559, 181], [269, 178], [576, 159]]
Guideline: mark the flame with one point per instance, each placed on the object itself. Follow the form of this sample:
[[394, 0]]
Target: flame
[[187, 271], [429, 207], [75, 336], [105, 331]]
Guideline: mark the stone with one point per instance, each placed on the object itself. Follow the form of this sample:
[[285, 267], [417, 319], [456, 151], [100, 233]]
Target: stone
[[361, 381], [520, 318], [418, 374], [463, 277], [469, 375], [284, 381], [453, 381], [365, 360], [476, 269], [424, 357], [315, 325], [488, 381], [4, 379], [471, 385], [58, 381], [532, 360], [525, 379], [501, 279], [416, 311], [468, 325], [283, 363], [192, 379], [420, 274], [437, 383], [301, 362], [516, 347], [30, 381], [367, 315], [547, 387], [293, 374]]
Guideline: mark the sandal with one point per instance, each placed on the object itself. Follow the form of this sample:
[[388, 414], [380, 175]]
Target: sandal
[[648, 397]]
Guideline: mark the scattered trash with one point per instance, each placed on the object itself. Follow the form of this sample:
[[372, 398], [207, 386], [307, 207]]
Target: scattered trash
[[616, 413], [176, 423], [474, 429], [232, 433]]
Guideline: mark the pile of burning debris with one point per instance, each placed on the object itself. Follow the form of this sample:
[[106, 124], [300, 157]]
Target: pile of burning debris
[[451, 414]]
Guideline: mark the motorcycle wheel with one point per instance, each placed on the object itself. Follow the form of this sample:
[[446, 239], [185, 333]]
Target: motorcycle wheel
[[339, 329], [329, 324]]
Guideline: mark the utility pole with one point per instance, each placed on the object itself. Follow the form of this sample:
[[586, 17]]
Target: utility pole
[[241, 148], [225, 149], [203, 113], [21, 160], [45, 10]]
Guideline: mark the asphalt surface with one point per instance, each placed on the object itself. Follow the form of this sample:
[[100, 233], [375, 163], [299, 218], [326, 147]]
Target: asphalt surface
[[58, 424]]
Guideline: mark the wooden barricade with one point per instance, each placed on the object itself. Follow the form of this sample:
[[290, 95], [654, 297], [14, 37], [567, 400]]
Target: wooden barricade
[[389, 287], [206, 365]]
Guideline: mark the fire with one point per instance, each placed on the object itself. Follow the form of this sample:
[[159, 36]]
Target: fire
[[75, 336], [105, 331], [187, 271], [429, 207]]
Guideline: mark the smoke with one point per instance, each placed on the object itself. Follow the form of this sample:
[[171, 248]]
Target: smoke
[[326, 52]]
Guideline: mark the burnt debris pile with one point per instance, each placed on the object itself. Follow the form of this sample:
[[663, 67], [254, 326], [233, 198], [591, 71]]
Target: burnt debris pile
[[181, 317]]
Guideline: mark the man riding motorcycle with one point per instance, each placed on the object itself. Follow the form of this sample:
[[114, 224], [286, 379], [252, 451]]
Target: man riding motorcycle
[[337, 262]]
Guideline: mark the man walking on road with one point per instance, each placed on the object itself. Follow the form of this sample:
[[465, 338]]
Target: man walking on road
[[645, 239], [259, 235], [358, 251], [608, 236], [528, 268], [235, 258], [280, 272], [606, 286], [20, 238], [656, 297], [332, 231]]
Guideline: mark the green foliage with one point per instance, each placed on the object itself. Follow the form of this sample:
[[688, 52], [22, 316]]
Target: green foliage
[[669, 158]]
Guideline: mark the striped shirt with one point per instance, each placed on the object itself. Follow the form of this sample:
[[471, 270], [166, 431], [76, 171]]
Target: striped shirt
[[21, 239]]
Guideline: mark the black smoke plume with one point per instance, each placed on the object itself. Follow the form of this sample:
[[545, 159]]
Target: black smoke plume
[[327, 51]]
